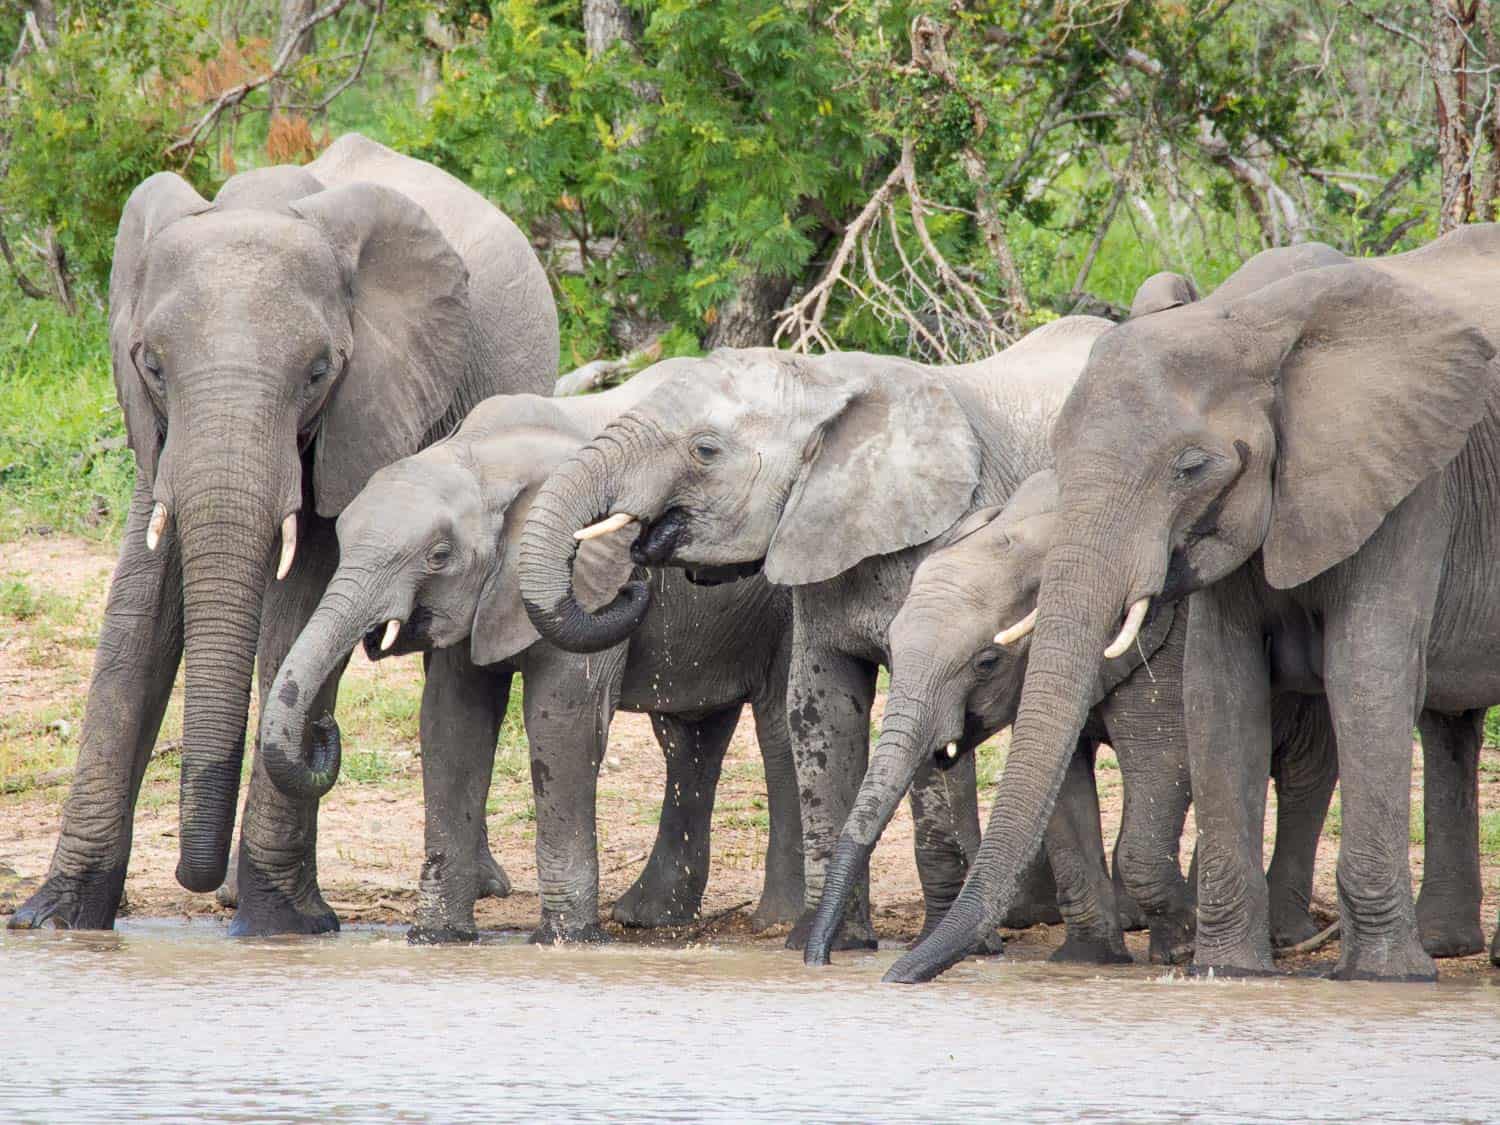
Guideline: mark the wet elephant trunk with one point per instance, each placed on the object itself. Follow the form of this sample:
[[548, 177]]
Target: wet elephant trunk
[[906, 733], [579, 494], [1078, 612], [348, 607], [227, 532]]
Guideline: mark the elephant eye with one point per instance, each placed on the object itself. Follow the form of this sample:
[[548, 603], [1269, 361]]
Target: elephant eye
[[319, 370], [705, 449], [986, 662], [1191, 463], [151, 362], [440, 555]]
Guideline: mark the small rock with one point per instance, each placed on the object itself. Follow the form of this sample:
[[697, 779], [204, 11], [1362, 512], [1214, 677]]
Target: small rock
[[614, 762]]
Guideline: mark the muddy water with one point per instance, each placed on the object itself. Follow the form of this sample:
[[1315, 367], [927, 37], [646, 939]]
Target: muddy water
[[174, 1021]]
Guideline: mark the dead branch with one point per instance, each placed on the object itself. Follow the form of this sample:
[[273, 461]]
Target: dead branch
[[26, 285], [603, 372], [280, 66]]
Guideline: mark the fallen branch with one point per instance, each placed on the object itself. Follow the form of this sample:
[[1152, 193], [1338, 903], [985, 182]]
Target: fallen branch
[[1312, 944], [601, 373], [708, 921]]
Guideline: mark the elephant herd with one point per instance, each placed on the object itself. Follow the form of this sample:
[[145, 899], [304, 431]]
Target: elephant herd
[[1236, 538]]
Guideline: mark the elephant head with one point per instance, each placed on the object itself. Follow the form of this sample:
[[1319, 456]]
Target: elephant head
[[953, 682], [1278, 420], [270, 350], [427, 559], [756, 458]]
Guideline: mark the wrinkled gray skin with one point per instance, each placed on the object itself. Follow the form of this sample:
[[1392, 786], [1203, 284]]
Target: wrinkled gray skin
[[431, 542], [271, 350], [953, 682], [1315, 461], [839, 472]]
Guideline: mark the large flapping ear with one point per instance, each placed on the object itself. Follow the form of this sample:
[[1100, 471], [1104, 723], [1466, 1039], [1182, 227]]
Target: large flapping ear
[[894, 467], [1378, 383], [157, 203], [409, 312], [1162, 291], [502, 628]]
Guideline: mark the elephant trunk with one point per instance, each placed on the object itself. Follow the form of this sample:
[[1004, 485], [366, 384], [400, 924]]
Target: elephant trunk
[[227, 531], [577, 495], [906, 733], [333, 630], [1079, 610]]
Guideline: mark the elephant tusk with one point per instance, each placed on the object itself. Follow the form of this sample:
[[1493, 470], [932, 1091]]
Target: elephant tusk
[[1020, 629], [155, 527], [1128, 631], [288, 546], [604, 526], [952, 749], [392, 627]]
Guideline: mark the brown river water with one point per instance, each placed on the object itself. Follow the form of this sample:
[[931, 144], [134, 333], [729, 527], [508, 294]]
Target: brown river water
[[173, 1021]]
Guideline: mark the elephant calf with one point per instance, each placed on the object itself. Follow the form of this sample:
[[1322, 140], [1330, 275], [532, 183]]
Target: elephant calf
[[428, 563]]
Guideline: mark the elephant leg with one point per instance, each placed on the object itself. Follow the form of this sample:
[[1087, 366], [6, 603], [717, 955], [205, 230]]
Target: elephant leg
[[140, 647], [1449, 903], [829, 695], [669, 890], [1075, 847], [945, 812], [1304, 768], [568, 703], [277, 867], [1226, 694], [462, 708], [782, 895]]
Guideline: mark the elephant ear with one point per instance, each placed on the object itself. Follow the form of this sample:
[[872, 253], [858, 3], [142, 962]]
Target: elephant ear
[[502, 628], [1377, 387], [156, 204], [1162, 291], [409, 313], [895, 466]]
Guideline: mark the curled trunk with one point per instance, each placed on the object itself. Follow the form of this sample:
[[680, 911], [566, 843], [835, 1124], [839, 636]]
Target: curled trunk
[[333, 630], [1078, 611], [906, 733], [577, 495]]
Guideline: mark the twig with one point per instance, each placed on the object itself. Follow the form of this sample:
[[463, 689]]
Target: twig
[[27, 286], [705, 923], [1312, 944]]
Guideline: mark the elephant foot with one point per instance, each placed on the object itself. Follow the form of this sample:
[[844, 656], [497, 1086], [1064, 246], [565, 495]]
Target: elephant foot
[[421, 934], [86, 901], [780, 904], [265, 910], [1025, 915], [493, 881], [1132, 918], [1292, 925], [1092, 949], [1172, 940], [556, 930], [1398, 961], [1449, 929], [646, 906], [1231, 959], [856, 934]]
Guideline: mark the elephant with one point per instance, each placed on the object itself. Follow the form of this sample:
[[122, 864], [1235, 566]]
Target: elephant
[[953, 686], [271, 350], [427, 563], [833, 475], [1313, 460]]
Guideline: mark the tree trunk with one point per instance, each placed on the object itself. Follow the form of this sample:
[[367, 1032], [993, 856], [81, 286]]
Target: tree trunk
[[45, 12], [1489, 193], [606, 22], [293, 12], [1448, 55], [747, 320]]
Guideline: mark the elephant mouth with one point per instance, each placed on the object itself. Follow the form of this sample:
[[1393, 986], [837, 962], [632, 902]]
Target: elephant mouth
[[950, 752], [661, 540], [415, 636]]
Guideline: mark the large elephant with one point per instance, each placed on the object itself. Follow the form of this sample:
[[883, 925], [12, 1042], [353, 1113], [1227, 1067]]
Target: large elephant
[[834, 474], [954, 685], [1317, 461], [427, 562], [271, 350]]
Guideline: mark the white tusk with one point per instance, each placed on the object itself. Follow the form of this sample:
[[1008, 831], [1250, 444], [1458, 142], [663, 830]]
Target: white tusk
[[952, 749], [154, 528], [392, 627], [288, 546], [604, 526], [1129, 630], [1020, 629]]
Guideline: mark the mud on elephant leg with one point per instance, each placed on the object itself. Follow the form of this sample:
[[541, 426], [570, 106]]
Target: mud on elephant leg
[[669, 890], [1075, 846], [1449, 903], [568, 703], [1304, 768], [783, 893], [945, 813], [140, 646], [462, 709], [829, 695]]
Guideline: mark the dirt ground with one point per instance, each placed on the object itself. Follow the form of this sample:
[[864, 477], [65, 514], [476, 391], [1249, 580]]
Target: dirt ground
[[52, 591]]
